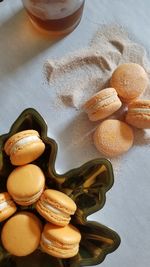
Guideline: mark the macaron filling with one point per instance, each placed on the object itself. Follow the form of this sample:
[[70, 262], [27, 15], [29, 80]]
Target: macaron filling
[[55, 210], [29, 199], [102, 104], [107, 101], [48, 243], [24, 141], [4, 205], [102, 101]]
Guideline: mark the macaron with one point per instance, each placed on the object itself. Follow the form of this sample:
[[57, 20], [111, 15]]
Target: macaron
[[102, 104], [113, 137], [130, 81], [24, 147], [21, 234], [7, 206], [25, 184], [60, 242], [138, 114], [56, 207]]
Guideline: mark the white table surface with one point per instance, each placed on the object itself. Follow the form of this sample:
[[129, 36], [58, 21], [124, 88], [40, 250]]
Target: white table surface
[[22, 54]]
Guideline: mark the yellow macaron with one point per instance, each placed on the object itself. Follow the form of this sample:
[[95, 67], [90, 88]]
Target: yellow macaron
[[102, 104], [7, 206], [24, 147], [130, 80], [56, 207], [25, 184], [61, 242], [138, 114], [21, 234], [113, 137]]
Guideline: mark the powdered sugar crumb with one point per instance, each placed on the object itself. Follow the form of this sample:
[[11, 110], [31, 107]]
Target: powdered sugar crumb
[[81, 74]]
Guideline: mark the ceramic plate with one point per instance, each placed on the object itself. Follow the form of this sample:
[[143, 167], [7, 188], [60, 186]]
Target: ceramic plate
[[86, 185]]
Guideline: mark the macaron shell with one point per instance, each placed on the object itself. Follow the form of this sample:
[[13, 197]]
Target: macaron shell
[[113, 137], [67, 235], [100, 96], [130, 80], [139, 121], [8, 211], [59, 200], [138, 114], [16, 137], [50, 216], [128, 101], [105, 111], [21, 234], [25, 182], [27, 153], [60, 252], [30, 200], [102, 104], [53, 199], [63, 242]]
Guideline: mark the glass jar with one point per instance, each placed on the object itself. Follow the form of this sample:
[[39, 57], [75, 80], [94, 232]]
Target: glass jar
[[55, 16]]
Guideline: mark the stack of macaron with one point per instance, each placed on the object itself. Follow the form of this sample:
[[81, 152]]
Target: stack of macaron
[[59, 238], [23, 232], [113, 137]]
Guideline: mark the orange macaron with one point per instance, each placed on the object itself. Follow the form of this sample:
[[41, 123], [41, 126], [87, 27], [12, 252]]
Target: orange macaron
[[113, 137], [56, 207], [7, 206], [21, 234], [102, 104], [130, 80], [24, 147], [60, 242], [25, 184], [138, 114]]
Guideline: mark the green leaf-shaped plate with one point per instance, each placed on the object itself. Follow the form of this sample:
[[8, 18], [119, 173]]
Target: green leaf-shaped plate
[[86, 185]]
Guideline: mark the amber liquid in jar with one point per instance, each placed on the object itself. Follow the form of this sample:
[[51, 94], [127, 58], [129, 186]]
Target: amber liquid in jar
[[62, 21]]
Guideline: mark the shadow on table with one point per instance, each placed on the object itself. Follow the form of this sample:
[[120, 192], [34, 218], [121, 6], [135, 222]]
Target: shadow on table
[[20, 42], [77, 139]]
